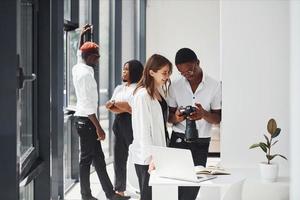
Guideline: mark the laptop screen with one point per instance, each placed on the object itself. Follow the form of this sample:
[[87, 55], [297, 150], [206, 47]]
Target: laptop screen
[[176, 164]]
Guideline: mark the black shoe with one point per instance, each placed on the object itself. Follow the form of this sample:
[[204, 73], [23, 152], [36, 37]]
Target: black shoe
[[119, 197], [89, 198]]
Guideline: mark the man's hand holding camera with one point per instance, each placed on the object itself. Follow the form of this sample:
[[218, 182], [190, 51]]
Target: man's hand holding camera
[[189, 112], [198, 113]]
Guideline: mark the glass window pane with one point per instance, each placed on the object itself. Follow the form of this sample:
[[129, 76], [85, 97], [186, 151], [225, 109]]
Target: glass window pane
[[67, 10], [67, 152], [65, 69], [26, 62], [104, 67], [85, 14], [26, 193], [72, 60]]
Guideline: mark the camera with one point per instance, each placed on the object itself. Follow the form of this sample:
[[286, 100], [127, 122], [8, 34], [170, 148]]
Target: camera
[[187, 110], [191, 132]]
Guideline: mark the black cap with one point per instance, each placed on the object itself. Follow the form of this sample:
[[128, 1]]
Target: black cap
[[185, 55]]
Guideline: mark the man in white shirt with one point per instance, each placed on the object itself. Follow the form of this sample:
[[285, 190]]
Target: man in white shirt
[[87, 123], [199, 90]]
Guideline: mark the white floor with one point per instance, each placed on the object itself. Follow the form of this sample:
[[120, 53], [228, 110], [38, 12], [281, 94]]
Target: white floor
[[74, 192]]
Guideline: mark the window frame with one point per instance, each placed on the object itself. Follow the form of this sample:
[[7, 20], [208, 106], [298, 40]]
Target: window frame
[[31, 155]]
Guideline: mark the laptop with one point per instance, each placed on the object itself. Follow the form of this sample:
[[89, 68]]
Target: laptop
[[176, 164]]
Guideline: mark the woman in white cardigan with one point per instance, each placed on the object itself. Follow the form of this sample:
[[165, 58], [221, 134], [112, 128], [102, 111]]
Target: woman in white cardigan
[[149, 116]]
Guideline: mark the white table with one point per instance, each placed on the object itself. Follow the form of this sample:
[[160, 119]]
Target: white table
[[164, 188]]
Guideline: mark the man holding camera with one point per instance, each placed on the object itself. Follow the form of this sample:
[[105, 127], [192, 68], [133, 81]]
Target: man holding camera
[[194, 105]]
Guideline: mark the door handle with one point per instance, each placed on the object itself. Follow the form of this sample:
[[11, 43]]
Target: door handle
[[22, 78]]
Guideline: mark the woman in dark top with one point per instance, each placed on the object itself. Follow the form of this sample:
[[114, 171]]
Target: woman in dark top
[[132, 73]]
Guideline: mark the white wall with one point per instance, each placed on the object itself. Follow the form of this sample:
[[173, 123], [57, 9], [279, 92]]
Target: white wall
[[255, 74], [295, 100], [254, 61], [173, 24]]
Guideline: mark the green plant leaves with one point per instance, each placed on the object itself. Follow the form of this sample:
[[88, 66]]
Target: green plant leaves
[[270, 157], [253, 146], [276, 132], [272, 126], [281, 156], [274, 143], [263, 146], [266, 147], [268, 141]]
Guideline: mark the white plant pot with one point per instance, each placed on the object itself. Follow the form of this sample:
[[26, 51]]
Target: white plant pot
[[268, 172]]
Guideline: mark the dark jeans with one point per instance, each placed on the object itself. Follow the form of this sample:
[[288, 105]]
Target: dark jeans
[[143, 177], [199, 151], [91, 151], [123, 138]]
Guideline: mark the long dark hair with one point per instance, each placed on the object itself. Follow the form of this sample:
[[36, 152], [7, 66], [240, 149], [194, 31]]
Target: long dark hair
[[154, 63], [135, 68]]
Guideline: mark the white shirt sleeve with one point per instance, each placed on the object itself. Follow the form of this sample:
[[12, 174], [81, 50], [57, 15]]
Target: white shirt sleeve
[[216, 103], [171, 99], [116, 91]]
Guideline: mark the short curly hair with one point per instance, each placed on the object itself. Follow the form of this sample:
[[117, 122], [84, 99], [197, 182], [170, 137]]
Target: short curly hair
[[185, 55]]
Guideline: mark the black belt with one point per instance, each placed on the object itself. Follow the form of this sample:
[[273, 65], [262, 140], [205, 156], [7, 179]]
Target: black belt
[[124, 114], [198, 140], [83, 118]]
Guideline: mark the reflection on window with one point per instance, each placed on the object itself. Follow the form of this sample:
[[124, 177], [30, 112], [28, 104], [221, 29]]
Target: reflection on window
[[70, 51], [73, 47], [26, 94], [104, 70], [26, 192], [67, 163]]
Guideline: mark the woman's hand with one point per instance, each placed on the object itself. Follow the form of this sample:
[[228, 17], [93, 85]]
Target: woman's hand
[[109, 104], [179, 116], [151, 166]]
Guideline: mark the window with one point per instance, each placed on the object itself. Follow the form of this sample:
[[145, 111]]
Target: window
[[70, 51], [104, 73], [70, 148], [67, 10], [26, 192], [26, 94], [85, 14], [27, 97]]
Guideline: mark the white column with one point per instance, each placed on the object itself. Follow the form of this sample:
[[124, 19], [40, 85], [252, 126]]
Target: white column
[[295, 99]]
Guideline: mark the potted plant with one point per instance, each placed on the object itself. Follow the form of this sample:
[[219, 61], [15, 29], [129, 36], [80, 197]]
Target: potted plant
[[269, 170]]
